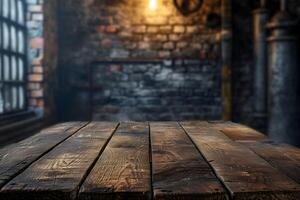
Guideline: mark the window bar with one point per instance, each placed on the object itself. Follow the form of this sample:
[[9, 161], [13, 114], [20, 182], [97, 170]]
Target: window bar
[[16, 57], [1, 60], [25, 51]]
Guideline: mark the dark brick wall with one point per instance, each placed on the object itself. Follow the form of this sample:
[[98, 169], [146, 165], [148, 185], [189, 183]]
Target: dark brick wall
[[110, 30], [183, 90], [130, 29]]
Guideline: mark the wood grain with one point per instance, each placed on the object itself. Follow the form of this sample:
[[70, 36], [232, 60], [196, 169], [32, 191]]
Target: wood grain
[[284, 157], [238, 132], [246, 175], [17, 157], [179, 170], [281, 156], [58, 174], [123, 170]]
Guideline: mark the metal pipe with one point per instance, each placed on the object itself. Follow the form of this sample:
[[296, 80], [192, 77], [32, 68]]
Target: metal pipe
[[284, 113], [283, 5], [263, 3], [260, 18]]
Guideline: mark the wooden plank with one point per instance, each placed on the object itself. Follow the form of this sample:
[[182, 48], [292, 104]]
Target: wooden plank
[[16, 157], [58, 174], [123, 170], [238, 132], [289, 151], [284, 157], [179, 170], [245, 174]]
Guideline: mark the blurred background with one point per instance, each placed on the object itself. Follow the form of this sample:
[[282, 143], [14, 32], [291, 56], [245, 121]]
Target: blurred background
[[149, 60]]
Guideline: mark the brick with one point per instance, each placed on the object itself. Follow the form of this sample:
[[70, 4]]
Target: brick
[[152, 29], [149, 53], [165, 29], [36, 93], [37, 42], [140, 29], [164, 54], [144, 45], [161, 38], [40, 103], [156, 45], [174, 37], [182, 44], [38, 69], [116, 68], [119, 53], [192, 29], [33, 86], [35, 8], [37, 61], [126, 34], [106, 43], [156, 20], [101, 29], [36, 78], [197, 45], [179, 29], [33, 24], [112, 29], [111, 109], [37, 17], [176, 20], [130, 45], [169, 46]]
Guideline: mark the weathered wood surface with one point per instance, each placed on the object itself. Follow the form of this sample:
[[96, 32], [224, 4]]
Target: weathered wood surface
[[244, 173], [58, 174], [123, 169], [284, 157], [163, 160], [179, 170], [238, 132], [16, 157]]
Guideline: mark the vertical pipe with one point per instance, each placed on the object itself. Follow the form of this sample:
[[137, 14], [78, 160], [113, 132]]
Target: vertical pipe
[[284, 79], [260, 17], [50, 61], [283, 5], [226, 43]]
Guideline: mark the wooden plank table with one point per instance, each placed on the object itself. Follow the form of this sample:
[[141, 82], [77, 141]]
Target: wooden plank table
[[209, 160]]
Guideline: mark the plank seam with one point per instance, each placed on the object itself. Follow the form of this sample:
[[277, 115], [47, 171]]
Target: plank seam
[[228, 193], [88, 171], [43, 154], [150, 161]]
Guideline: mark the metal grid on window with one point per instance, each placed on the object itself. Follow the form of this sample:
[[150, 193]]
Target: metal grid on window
[[12, 56]]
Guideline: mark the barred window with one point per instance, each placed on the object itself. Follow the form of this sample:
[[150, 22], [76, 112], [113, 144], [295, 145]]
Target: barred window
[[12, 56]]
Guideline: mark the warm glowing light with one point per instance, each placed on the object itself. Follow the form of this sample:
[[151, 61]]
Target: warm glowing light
[[152, 4]]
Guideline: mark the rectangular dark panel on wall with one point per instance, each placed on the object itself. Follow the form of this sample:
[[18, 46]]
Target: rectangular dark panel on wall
[[155, 90]]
